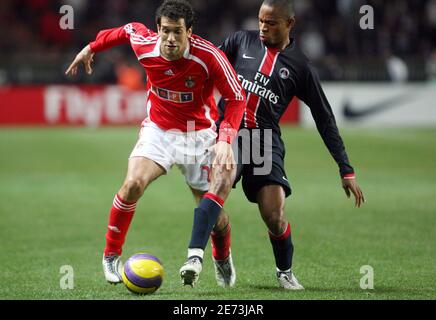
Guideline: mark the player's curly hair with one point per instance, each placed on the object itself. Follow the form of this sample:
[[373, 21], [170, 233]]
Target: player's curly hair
[[287, 6], [175, 10]]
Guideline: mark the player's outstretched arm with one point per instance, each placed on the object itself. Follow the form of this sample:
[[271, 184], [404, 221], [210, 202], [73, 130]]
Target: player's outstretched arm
[[350, 185], [86, 57], [105, 40], [313, 95]]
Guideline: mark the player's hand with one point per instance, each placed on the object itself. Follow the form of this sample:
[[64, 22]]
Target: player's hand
[[350, 185], [86, 57], [223, 155]]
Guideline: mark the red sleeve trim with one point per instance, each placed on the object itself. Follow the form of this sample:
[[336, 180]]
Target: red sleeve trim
[[349, 176], [227, 132], [92, 46]]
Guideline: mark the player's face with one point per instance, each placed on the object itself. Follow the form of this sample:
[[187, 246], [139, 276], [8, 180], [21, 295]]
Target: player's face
[[174, 36], [274, 26]]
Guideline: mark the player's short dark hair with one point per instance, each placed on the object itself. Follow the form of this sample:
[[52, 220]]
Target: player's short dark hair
[[286, 5], [175, 10]]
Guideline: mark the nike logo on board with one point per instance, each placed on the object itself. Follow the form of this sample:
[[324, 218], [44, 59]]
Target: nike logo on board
[[352, 113]]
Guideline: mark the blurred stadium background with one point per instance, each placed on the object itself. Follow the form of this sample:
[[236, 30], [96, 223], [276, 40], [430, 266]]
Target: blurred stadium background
[[59, 169], [35, 50]]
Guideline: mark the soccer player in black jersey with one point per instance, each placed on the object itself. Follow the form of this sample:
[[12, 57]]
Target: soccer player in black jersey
[[273, 71]]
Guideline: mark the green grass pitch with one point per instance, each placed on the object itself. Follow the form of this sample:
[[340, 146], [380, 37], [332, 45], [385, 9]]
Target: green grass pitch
[[57, 185]]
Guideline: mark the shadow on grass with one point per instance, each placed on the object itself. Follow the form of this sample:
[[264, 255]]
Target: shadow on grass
[[385, 291], [273, 292], [376, 290], [183, 294]]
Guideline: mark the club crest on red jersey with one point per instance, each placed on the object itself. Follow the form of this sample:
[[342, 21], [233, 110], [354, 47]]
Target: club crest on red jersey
[[129, 28], [189, 82]]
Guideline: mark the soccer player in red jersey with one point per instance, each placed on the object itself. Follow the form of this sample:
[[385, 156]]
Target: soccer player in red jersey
[[273, 71], [182, 71]]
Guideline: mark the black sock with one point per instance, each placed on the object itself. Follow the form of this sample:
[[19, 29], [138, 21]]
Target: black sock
[[283, 249], [205, 217]]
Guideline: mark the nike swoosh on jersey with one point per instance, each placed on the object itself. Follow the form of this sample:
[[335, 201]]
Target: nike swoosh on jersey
[[350, 112], [247, 57]]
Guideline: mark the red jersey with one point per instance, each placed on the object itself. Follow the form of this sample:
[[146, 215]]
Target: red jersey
[[181, 91]]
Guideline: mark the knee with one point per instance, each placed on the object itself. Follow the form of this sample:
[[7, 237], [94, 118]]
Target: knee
[[133, 188], [225, 183], [275, 221], [222, 182]]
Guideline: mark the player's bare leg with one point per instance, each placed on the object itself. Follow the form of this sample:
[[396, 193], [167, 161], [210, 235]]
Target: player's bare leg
[[140, 173], [205, 217], [271, 201]]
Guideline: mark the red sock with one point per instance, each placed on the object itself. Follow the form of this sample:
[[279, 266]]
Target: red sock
[[221, 243], [120, 216]]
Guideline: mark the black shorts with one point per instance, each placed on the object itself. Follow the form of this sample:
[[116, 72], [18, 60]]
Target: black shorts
[[260, 162]]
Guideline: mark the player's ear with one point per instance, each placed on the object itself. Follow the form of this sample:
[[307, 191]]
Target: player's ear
[[189, 32], [291, 22]]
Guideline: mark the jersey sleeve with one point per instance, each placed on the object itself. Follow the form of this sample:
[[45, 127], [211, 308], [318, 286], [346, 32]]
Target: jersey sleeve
[[227, 83], [109, 38], [230, 45], [313, 95]]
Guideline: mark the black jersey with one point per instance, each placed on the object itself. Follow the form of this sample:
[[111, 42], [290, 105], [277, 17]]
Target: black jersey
[[271, 79]]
